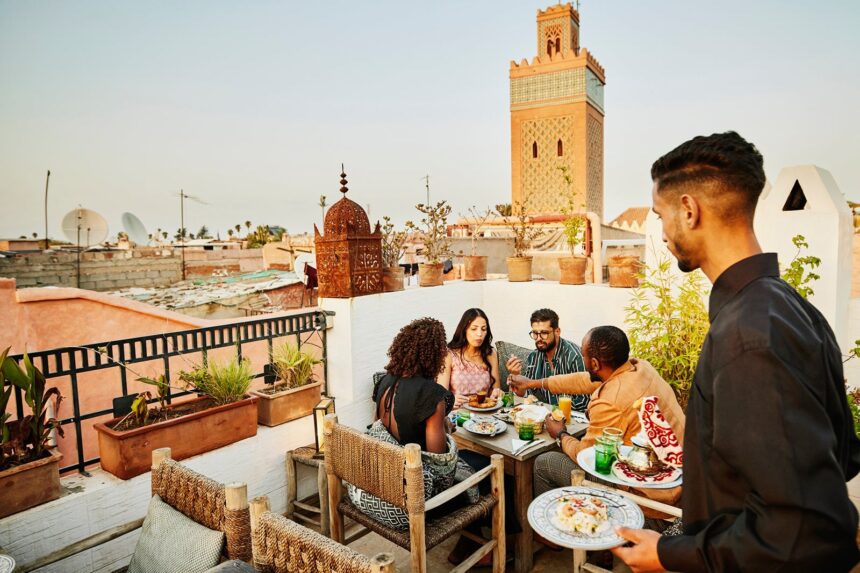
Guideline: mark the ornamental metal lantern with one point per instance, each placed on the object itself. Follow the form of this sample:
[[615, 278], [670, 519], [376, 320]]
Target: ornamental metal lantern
[[321, 410], [348, 254]]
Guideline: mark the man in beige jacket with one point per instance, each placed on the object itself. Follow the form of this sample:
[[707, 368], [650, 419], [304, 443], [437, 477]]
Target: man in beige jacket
[[616, 382]]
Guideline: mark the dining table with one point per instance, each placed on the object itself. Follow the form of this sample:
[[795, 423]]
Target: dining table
[[520, 466]]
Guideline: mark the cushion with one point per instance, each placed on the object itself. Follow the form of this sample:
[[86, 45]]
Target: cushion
[[506, 350], [170, 542]]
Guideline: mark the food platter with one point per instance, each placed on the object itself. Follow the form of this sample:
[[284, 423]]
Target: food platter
[[497, 404], [544, 517], [585, 460], [484, 426], [667, 475]]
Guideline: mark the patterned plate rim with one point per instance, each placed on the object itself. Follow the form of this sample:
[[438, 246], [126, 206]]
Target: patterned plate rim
[[499, 429], [589, 469], [628, 481], [575, 541]]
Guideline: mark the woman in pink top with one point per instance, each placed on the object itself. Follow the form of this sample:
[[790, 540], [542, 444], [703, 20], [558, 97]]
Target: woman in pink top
[[472, 363]]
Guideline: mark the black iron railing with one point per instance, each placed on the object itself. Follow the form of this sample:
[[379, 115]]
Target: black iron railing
[[73, 361]]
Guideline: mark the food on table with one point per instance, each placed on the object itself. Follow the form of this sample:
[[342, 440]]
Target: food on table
[[485, 404], [484, 426], [531, 399], [474, 400], [582, 514], [558, 415]]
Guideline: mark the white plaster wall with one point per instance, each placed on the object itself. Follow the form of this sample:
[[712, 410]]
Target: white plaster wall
[[827, 225], [93, 504]]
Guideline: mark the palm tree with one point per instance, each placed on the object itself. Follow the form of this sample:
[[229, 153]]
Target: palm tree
[[35, 235], [248, 225], [322, 206], [203, 233], [164, 234], [238, 229], [230, 233]]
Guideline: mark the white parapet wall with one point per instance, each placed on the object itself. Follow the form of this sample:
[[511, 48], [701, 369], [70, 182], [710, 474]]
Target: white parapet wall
[[93, 504]]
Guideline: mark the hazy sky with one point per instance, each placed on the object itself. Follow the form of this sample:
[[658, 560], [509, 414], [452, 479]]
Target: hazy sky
[[253, 105]]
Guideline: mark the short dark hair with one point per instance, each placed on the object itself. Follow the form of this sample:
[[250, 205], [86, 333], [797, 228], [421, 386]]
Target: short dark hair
[[545, 315], [608, 344], [724, 162]]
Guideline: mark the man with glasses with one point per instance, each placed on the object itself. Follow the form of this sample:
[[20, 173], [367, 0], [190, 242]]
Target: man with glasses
[[552, 355]]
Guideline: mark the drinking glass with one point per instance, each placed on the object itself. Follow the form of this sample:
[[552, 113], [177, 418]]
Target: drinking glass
[[526, 431], [508, 399], [565, 404], [462, 416], [604, 455]]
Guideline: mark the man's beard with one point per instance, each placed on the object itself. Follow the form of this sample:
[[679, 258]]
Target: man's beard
[[549, 346], [594, 376]]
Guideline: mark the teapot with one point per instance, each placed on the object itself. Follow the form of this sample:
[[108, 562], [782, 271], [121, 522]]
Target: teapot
[[641, 458]]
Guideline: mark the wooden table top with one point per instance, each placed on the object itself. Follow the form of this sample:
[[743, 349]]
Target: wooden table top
[[502, 443]]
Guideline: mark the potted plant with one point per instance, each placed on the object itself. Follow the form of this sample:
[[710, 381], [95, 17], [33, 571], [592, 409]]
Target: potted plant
[[572, 268], [433, 230], [29, 470], [223, 415], [624, 271], [393, 248], [475, 266], [520, 265], [297, 392]]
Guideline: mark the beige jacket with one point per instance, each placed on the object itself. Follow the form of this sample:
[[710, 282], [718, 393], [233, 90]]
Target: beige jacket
[[612, 406]]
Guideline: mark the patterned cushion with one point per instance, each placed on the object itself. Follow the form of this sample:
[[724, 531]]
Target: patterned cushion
[[172, 543], [506, 350]]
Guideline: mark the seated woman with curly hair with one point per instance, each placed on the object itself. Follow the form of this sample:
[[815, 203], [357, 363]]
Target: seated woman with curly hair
[[411, 408]]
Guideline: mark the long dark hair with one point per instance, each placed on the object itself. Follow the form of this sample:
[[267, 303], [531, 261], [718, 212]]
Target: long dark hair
[[459, 342]]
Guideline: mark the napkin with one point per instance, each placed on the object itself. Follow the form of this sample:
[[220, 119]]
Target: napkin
[[660, 433], [517, 444]]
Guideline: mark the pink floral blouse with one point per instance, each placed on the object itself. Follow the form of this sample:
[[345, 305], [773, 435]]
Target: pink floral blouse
[[467, 377]]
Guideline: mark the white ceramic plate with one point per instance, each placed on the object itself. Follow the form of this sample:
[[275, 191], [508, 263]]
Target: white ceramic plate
[[473, 425], [620, 510], [7, 564], [493, 409], [585, 459]]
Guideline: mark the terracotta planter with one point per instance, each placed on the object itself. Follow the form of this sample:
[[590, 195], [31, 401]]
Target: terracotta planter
[[129, 453], [572, 270], [276, 409], [31, 484], [430, 274], [519, 269], [475, 268], [622, 271], [392, 279]]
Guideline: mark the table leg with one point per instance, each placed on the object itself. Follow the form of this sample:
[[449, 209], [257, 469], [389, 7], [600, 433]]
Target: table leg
[[523, 553]]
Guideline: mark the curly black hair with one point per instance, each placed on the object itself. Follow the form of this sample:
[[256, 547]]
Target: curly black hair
[[723, 165], [418, 350]]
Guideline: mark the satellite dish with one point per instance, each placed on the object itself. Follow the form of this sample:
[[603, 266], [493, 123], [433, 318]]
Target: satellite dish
[[135, 229], [84, 227]]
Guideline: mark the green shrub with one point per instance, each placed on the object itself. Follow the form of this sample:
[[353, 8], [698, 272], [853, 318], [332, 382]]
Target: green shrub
[[226, 382], [293, 365]]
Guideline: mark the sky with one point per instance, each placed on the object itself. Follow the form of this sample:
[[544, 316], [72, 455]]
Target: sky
[[252, 106]]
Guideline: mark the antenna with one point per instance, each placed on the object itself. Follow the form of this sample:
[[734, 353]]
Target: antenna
[[47, 179], [182, 197], [135, 229], [84, 227]]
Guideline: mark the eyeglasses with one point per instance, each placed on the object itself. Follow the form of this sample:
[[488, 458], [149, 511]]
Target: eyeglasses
[[543, 335]]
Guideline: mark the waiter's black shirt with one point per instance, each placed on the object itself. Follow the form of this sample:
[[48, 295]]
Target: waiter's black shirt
[[769, 442]]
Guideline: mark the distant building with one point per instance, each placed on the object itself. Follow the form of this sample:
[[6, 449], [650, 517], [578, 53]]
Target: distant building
[[557, 119], [22, 245], [632, 219]]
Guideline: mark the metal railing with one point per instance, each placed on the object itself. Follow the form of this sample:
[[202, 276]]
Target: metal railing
[[72, 361]]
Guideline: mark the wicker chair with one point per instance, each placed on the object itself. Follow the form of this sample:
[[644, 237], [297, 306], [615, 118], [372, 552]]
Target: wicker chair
[[209, 503], [394, 475], [284, 546]]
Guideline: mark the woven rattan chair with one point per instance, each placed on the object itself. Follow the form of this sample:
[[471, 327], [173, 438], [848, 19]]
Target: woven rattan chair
[[393, 474], [209, 503], [284, 546]]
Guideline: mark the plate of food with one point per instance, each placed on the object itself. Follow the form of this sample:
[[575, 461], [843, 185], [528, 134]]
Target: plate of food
[[585, 460], [583, 517], [660, 476], [486, 405], [484, 426]]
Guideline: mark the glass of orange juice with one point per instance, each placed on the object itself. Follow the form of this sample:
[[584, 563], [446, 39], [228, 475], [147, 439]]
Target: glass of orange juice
[[564, 404]]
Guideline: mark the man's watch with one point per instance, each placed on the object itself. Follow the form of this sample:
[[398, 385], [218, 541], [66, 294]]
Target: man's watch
[[558, 438]]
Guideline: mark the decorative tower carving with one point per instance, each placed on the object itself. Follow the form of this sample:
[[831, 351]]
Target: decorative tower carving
[[349, 256], [557, 118]]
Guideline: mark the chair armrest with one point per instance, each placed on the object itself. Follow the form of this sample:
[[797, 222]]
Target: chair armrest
[[457, 489], [639, 500], [233, 566]]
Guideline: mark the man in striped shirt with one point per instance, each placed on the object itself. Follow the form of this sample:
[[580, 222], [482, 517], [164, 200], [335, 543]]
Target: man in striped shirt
[[552, 355]]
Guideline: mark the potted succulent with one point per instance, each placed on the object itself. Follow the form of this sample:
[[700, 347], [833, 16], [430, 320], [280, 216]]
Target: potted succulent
[[223, 415], [393, 248], [572, 268], [520, 265], [297, 392], [29, 470], [433, 230], [475, 266]]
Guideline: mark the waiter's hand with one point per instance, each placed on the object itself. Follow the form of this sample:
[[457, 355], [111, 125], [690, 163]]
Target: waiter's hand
[[553, 426], [642, 557], [519, 384], [514, 365]]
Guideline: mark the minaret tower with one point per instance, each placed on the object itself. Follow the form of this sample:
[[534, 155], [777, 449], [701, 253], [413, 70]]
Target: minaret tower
[[557, 119]]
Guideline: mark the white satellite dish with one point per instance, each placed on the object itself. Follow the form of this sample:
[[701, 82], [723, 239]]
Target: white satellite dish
[[135, 229], [84, 227]]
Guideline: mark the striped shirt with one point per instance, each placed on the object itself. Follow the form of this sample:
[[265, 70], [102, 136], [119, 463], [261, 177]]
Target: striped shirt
[[567, 360]]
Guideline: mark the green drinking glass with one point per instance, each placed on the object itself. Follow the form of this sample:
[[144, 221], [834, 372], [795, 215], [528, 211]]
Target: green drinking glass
[[604, 455]]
